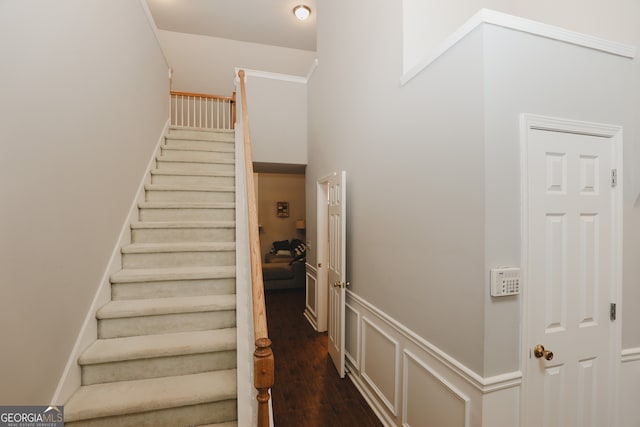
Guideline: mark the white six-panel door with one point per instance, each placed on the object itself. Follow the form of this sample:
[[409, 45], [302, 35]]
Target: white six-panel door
[[570, 278]]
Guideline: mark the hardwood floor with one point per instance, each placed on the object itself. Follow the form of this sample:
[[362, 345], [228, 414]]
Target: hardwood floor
[[307, 390]]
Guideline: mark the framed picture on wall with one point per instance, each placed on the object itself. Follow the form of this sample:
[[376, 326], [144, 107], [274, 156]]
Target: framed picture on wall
[[282, 209]]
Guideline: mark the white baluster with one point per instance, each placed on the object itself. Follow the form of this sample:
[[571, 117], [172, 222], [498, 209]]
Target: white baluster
[[181, 110]]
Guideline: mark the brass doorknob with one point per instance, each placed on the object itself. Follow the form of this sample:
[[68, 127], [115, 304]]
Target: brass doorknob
[[539, 351]]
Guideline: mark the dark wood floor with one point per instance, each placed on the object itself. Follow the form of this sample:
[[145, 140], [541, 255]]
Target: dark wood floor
[[307, 390]]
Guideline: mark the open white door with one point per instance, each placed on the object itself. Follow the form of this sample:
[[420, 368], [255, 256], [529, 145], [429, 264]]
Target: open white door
[[336, 268], [572, 237]]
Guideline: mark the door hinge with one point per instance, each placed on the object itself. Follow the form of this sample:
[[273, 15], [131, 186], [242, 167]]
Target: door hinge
[[614, 177], [612, 311]]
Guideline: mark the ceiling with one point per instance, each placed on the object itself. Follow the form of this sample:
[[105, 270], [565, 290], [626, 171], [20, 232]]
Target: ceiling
[[258, 21]]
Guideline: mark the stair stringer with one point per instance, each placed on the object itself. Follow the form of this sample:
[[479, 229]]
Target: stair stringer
[[247, 403], [71, 379]]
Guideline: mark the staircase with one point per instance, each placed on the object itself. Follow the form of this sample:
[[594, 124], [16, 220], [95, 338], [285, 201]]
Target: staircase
[[166, 348]]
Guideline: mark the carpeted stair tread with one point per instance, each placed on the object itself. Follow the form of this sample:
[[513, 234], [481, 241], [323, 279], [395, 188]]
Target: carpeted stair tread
[[129, 397], [170, 187], [161, 306], [230, 149], [193, 157], [186, 205], [176, 273], [190, 173], [142, 248], [195, 134], [164, 345], [182, 224]]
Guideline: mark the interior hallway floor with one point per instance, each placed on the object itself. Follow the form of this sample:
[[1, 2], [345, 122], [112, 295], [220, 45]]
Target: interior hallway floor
[[307, 390]]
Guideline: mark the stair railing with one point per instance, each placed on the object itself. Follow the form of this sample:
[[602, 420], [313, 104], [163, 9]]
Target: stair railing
[[199, 110], [263, 362]]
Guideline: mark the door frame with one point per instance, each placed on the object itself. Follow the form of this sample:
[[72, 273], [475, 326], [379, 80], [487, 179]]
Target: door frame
[[530, 122], [322, 233]]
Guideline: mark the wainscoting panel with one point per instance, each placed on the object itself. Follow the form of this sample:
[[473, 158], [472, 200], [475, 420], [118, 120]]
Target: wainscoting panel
[[380, 363], [352, 335], [429, 399], [630, 388], [311, 302], [408, 382]]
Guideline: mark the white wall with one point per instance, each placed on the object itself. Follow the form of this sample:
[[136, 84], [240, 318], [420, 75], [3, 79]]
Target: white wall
[[84, 98], [205, 64], [426, 23], [277, 107]]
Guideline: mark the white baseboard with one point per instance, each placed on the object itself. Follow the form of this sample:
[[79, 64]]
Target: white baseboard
[[373, 403], [71, 376], [310, 319]]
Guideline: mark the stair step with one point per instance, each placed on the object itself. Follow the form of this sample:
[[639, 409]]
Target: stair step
[[223, 152], [125, 318], [201, 134], [196, 177], [159, 255], [225, 146], [185, 400], [194, 164], [200, 156], [154, 356], [189, 193], [183, 231], [196, 144], [172, 282], [173, 211]]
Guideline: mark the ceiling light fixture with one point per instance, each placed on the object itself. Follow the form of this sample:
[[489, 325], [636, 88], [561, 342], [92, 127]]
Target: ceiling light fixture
[[302, 12]]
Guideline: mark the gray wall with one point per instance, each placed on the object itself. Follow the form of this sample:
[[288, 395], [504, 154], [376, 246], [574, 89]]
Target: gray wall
[[529, 74], [277, 119], [84, 100], [433, 168], [414, 158]]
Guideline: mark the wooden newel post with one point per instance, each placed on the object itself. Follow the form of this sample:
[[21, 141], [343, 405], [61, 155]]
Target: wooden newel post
[[263, 372]]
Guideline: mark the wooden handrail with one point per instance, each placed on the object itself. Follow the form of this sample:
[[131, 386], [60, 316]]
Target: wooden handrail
[[263, 363], [203, 95]]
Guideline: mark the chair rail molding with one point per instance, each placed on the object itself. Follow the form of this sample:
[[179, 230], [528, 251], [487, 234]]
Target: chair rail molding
[[630, 355]]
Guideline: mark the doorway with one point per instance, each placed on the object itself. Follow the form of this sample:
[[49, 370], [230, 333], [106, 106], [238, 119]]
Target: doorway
[[330, 288], [571, 265]]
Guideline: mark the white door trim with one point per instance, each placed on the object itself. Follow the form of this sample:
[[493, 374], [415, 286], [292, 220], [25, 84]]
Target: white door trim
[[322, 230], [614, 133]]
